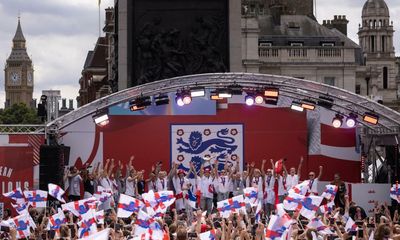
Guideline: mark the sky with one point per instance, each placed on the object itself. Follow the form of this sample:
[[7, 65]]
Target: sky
[[59, 34]]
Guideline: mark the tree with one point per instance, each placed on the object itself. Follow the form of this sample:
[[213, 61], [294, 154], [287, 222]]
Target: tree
[[19, 113]]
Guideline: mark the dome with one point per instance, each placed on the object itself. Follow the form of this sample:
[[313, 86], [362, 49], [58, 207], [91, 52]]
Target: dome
[[375, 8]]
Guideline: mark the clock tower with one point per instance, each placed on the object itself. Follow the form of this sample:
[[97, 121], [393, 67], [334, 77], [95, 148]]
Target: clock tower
[[18, 71]]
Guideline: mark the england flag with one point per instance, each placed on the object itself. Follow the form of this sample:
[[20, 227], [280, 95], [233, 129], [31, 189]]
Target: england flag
[[36, 198], [317, 224], [21, 208], [350, 226], [99, 217], [56, 191], [191, 199], [80, 207], [158, 202], [147, 227], [395, 192], [209, 235], [102, 235], [301, 188], [87, 227], [250, 196], [16, 195], [310, 206], [231, 205], [276, 227], [293, 201], [327, 207], [22, 224], [330, 192], [56, 220], [128, 205]]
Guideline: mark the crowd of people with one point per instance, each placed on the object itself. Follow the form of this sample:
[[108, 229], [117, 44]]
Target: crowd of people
[[272, 216]]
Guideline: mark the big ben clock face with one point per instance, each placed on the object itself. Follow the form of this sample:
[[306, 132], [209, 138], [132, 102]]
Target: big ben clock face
[[30, 78], [15, 78]]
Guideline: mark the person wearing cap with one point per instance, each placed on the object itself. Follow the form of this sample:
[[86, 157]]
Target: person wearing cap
[[207, 189], [180, 184]]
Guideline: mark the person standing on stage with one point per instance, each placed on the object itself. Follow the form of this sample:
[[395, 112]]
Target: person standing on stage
[[180, 184], [269, 183], [130, 182], [207, 189], [293, 178], [313, 182], [256, 181], [223, 181], [74, 180]]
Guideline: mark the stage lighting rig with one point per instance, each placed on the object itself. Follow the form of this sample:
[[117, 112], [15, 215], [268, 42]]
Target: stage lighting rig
[[161, 100], [101, 118], [271, 92], [351, 120], [249, 99], [183, 97], [325, 101], [308, 104], [337, 121], [140, 103], [296, 106], [371, 118], [197, 92]]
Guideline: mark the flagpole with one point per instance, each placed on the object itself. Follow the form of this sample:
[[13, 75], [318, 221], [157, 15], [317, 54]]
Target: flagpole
[[99, 19]]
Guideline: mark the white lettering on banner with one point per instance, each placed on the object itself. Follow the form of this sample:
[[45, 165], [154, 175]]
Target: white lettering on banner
[[5, 171], [9, 186]]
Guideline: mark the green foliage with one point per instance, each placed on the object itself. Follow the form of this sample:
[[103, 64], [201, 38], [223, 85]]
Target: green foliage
[[19, 114]]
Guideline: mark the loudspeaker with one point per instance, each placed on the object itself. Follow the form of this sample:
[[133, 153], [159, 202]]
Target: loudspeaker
[[51, 168]]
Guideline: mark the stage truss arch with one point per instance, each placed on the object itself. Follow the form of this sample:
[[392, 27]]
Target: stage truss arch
[[289, 88]]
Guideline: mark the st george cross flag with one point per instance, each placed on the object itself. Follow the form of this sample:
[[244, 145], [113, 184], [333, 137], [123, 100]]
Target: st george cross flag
[[330, 192], [99, 217], [210, 235], [80, 207], [276, 227], [56, 191], [22, 224], [158, 202], [300, 188], [147, 226], [102, 196], [327, 207], [128, 205], [293, 201], [317, 224], [310, 206], [350, 226], [36, 198], [231, 205], [395, 192], [56, 220], [191, 199], [102, 235], [280, 212], [250, 196], [16, 195], [87, 227], [21, 208]]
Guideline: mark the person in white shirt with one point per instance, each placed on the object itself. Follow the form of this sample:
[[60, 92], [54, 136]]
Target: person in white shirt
[[224, 181], [293, 178], [181, 184], [162, 181], [107, 183], [269, 182], [207, 188], [313, 182], [131, 183], [256, 180]]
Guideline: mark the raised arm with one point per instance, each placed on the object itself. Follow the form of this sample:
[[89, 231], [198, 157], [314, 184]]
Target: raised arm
[[285, 170], [320, 173], [299, 167], [172, 172], [262, 167], [111, 168], [273, 168]]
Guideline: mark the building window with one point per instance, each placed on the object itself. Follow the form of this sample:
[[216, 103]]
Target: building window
[[296, 44], [383, 43], [252, 9], [261, 10], [264, 44], [358, 89], [328, 44], [385, 78], [329, 81], [372, 43]]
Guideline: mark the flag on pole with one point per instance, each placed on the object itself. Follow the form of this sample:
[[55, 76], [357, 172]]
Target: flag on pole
[[330, 192], [99, 217], [128, 205], [327, 207], [102, 235], [231, 205], [87, 227], [158, 202], [300, 188], [276, 228], [147, 227], [293, 201], [80, 207], [350, 226], [250, 196], [21, 223], [209, 235], [16, 195], [280, 212], [36, 198], [310, 206], [21, 208], [395, 192], [56, 220], [317, 224], [56, 191]]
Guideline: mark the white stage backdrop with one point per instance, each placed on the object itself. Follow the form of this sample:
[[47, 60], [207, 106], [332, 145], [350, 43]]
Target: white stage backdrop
[[193, 143]]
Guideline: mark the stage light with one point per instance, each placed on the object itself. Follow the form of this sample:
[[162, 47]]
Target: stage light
[[351, 120], [271, 100], [161, 100], [235, 89], [224, 93], [325, 102], [296, 106], [183, 97], [140, 103], [308, 104], [187, 99], [179, 101], [271, 92], [337, 121], [101, 119], [249, 99], [197, 92], [259, 98], [371, 118], [214, 96]]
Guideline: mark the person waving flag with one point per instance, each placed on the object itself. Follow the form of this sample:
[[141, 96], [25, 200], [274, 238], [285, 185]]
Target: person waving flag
[[56, 191], [128, 205]]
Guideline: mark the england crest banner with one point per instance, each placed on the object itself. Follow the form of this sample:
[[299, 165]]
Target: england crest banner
[[203, 143]]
